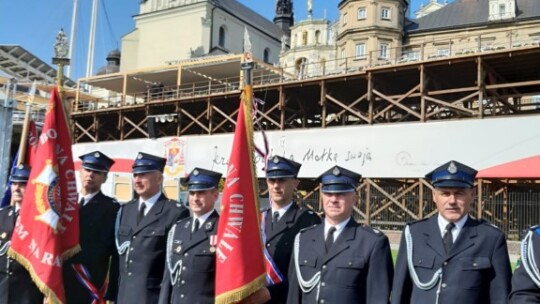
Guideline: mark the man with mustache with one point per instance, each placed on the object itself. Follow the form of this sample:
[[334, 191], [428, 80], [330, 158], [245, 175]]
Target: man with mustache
[[282, 221], [98, 256], [452, 257], [16, 285], [340, 261], [141, 239]]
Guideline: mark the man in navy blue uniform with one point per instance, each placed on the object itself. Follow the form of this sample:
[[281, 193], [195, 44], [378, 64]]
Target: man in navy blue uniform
[[142, 232], [526, 278], [16, 285], [452, 257], [281, 222], [190, 267], [340, 261], [98, 255]]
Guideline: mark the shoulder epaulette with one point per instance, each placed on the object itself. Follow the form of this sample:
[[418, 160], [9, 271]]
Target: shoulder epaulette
[[417, 221], [308, 211], [371, 229], [183, 219], [484, 221], [175, 202], [307, 228], [534, 228]]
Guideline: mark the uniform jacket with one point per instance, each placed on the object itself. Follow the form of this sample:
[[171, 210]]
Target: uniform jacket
[[16, 285], [524, 290], [357, 269], [142, 265], [196, 282], [280, 239], [476, 270], [98, 250]]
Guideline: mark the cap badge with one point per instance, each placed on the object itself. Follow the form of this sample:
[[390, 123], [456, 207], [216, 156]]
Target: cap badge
[[275, 160], [452, 169], [20, 167], [140, 156], [336, 171], [195, 172], [97, 155]]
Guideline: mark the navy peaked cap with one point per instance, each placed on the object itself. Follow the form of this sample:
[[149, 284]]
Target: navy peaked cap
[[201, 179], [338, 179], [453, 174], [20, 174], [147, 163], [280, 167], [96, 161]]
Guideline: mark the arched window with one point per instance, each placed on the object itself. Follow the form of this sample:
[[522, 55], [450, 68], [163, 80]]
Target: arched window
[[221, 41], [317, 37], [300, 67], [266, 55], [304, 38]]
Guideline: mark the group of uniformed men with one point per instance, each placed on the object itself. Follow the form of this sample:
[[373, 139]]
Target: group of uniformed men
[[153, 250]]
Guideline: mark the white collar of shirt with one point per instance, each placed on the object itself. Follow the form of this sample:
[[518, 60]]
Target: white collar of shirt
[[88, 197], [456, 230], [201, 219], [281, 211], [339, 228], [149, 202], [17, 207]]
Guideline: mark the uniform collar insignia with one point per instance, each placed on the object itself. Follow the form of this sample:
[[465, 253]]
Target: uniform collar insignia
[[208, 226]]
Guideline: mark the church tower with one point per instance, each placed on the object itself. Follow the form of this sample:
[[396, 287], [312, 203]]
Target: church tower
[[284, 15]]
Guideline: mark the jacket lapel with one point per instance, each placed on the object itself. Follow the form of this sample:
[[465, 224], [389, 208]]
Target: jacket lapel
[[433, 237], [129, 214], [92, 207], [465, 238], [152, 215], [317, 241], [204, 232], [286, 221], [342, 241]]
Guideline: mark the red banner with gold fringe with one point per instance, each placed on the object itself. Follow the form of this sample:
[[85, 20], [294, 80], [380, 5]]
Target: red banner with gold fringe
[[240, 267], [47, 230]]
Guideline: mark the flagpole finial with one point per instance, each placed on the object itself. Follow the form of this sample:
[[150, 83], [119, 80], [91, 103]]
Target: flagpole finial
[[247, 60], [61, 51]]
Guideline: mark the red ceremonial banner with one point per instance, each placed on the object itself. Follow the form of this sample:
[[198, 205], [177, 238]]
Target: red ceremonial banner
[[240, 267], [47, 230]]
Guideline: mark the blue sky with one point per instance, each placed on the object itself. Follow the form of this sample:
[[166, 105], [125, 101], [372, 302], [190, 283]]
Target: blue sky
[[33, 24]]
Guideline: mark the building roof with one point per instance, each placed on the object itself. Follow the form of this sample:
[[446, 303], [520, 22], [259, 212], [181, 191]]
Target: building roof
[[468, 13], [17, 62], [243, 12]]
